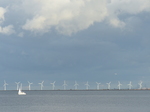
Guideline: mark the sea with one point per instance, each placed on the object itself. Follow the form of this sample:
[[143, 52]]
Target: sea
[[75, 101]]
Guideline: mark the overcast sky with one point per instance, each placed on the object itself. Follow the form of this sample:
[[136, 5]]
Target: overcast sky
[[82, 40]]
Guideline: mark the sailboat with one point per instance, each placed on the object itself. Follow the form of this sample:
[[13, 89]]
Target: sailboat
[[20, 92]]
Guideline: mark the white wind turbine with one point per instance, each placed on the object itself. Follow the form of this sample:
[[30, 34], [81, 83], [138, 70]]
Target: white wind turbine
[[98, 85], [5, 84], [29, 85], [76, 85], [64, 85], [130, 85], [140, 84], [53, 84], [17, 85], [87, 85], [119, 84], [108, 85], [41, 85]]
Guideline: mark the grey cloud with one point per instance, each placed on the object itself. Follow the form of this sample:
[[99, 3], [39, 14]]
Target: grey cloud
[[2, 12], [72, 16], [69, 17], [6, 29], [96, 52]]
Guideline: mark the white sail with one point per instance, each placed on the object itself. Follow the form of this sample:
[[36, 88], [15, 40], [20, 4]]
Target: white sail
[[20, 92]]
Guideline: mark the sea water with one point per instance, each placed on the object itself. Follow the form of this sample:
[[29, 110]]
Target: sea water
[[75, 101]]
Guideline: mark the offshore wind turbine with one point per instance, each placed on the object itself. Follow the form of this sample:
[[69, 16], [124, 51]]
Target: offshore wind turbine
[[108, 85], [130, 85], [76, 85], [64, 85], [98, 85], [87, 85], [53, 84], [29, 85], [17, 85], [119, 84], [41, 85], [5, 84], [140, 84]]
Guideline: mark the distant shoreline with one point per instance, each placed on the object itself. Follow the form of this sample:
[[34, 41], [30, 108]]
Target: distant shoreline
[[88, 90]]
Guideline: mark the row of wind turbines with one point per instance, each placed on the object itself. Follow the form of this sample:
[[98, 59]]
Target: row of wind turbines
[[75, 85]]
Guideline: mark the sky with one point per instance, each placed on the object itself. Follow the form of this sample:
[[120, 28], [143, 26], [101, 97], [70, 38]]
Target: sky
[[75, 40]]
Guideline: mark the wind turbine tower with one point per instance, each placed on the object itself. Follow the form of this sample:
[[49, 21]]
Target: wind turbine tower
[[17, 85], [98, 85], [108, 85], [53, 84], [64, 85], [87, 85], [119, 84], [130, 85], [76, 85], [140, 84], [5, 84], [29, 85], [41, 85]]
